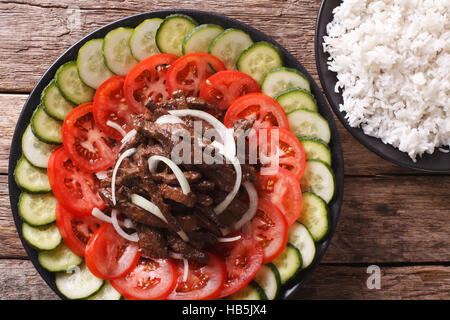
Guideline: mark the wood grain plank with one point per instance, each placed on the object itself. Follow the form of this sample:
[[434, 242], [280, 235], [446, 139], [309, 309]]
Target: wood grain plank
[[21, 281], [383, 219]]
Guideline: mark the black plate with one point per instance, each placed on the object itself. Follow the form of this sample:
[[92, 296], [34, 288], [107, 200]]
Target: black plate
[[436, 162], [201, 17]]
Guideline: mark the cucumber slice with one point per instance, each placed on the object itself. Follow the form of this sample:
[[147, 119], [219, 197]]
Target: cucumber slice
[[142, 41], [229, 45], [305, 123], [259, 59], [37, 209], [319, 179], [300, 238], [91, 64], [281, 79], [107, 292], [268, 278], [317, 150], [200, 38], [172, 31], [55, 105], [69, 83], [297, 98], [59, 259], [117, 52], [314, 215], [42, 238], [288, 263], [31, 178], [78, 284], [36, 151], [252, 291], [46, 128]]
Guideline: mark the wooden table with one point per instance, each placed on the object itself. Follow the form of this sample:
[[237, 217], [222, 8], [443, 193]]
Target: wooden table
[[392, 217]]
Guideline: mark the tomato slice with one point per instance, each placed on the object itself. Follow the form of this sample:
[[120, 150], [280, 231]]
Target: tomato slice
[[291, 154], [147, 80], [89, 148], [269, 228], [203, 281], [259, 107], [283, 190], [110, 104], [75, 189], [189, 72], [243, 258], [110, 256], [222, 88], [151, 279], [75, 230]]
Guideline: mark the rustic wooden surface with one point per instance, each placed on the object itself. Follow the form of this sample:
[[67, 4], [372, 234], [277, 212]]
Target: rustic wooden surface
[[392, 217]]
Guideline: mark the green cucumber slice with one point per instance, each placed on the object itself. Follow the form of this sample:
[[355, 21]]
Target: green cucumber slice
[[31, 178], [300, 238], [142, 41], [36, 151], [91, 64], [117, 52], [306, 123], [281, 79], [200, 38], [107, 292], [259, 59], [69, 83], [288, 263], [59, 259], [45, 128], [78, 284], [37, 209], [252, 291], [172, 31], [314, 215], [229, 45], [316, 150], [268, 278], [55, 105], [42, 238], [297, 98], [319, 179]]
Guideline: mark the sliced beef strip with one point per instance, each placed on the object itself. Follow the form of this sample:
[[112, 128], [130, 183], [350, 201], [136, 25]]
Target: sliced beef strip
[[176, 194], [152, 242], [204, 200], [202, 239], [203, 186], [187, 250], [140, 215], [170, 178]]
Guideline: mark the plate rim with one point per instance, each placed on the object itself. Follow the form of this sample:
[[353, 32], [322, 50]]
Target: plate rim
[[15, 153]]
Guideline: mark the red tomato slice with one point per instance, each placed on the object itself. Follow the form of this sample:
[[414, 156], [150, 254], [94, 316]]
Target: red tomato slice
[[149, 280], [189, 72], [269, 228], [110, 104], [110, 256], [283, 190], [147, 80], [203, 281], [75, 189], [243, 258], [88, 147], [259, 107], [222, 88], [75, 230], [291, 152]]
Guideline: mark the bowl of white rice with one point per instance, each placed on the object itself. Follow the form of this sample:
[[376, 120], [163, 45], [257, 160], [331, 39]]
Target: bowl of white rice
[[384, 66]]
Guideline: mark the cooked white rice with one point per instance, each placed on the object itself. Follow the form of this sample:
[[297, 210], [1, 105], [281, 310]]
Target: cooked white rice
[[392, 59]]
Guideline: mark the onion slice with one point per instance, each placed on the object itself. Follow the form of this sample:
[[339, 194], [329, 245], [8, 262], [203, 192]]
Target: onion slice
[[168, 118], [127, 223], [130, 135], [101, 175], [237, 184], [186, 269], [252, 208], [130, 237], [225, 133], [231, 239], [153, 163], [124, 155], [116, 126]]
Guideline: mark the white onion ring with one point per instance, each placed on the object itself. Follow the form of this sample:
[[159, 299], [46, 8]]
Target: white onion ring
[[153, 162], [101, 175], [130, 237], [252, 207], [225, 133], [130, 135], [116, 126], [127, 223], [231, 239], [168, 118], [125, 154], [186, 269]]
